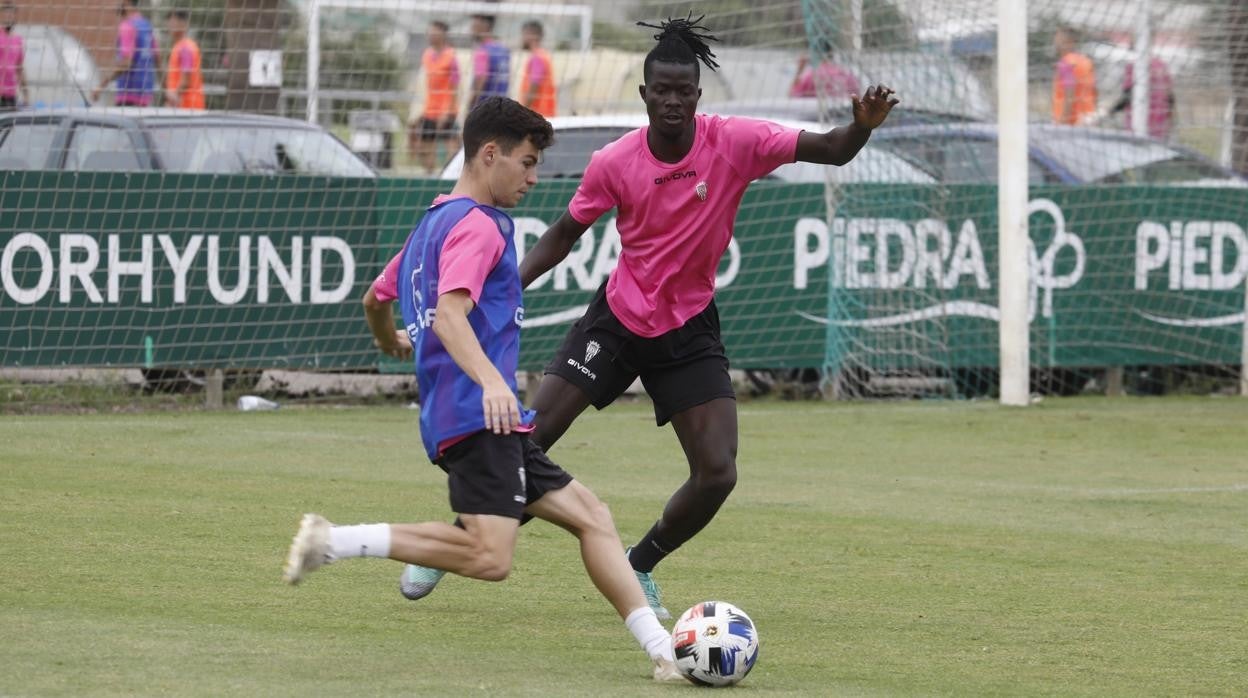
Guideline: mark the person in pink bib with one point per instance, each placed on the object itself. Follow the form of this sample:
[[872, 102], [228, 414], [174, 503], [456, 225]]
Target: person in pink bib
[[676, 186], [12, 60]]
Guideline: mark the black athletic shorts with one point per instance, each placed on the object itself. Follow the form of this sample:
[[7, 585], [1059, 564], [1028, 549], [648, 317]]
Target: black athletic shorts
[[499, 474], [8, 104], [430, 130], [682, 368]]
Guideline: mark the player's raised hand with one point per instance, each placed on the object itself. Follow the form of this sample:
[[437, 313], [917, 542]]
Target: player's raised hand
[[873, 108]]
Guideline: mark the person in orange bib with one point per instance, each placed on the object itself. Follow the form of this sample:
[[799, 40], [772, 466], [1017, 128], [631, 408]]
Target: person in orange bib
[[1074, 82], [537, 85], [437, 122], [184, 81]]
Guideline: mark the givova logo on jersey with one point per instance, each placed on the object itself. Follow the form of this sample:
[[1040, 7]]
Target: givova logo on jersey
[[689, 174]]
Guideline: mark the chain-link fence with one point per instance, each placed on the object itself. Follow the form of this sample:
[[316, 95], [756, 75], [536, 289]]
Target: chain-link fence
[[270, 155]]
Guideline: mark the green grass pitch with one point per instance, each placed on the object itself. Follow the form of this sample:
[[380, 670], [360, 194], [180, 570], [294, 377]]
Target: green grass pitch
[[1079, 547]]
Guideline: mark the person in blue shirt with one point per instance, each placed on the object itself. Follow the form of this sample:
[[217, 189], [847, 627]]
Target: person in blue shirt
[[135, 69], [458, 286], [491, 62]]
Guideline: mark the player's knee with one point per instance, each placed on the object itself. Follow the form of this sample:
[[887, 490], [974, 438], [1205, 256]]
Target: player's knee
[[591, 517], [717, 473], [490, 565], [495, 573], [598, 517]]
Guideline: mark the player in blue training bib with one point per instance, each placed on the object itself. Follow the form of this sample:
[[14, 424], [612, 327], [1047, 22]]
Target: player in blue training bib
[[451, 402], [458, 288]]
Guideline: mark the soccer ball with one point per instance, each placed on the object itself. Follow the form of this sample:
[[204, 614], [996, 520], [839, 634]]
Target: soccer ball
[[716, 644]]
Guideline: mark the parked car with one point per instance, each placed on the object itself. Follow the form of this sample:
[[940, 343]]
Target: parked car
[[170, 140], [967, 154], [577, 137], [930, 83]]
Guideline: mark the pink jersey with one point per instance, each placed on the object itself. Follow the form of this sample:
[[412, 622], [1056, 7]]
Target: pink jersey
[[470, 251], [12, 54], [1160, 95], [675, 220]]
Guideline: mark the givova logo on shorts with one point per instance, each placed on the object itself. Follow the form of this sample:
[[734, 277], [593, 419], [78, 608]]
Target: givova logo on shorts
[[591, 350]]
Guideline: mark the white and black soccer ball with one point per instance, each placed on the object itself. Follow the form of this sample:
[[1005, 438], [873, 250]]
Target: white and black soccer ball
[[716, 644]]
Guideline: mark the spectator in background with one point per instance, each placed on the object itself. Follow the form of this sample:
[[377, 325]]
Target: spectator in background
[[537, 85], [1160, 98], [833, 80], [184, 82], [135, 69], [437, 121], [491, 62], [1074, 81], [12, 60]]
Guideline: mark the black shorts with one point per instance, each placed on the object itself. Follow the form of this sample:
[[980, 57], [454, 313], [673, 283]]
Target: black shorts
[[499, 474], [682, 368], [430, 130], [8, 103]]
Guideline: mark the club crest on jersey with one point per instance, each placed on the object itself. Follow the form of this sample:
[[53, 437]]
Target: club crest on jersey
[[591, 350], [700, 189]]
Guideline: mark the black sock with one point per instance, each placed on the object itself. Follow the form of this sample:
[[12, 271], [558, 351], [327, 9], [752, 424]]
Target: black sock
[[650, 551]]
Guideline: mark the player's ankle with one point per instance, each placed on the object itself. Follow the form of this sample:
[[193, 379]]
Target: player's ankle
[[362, 540], [651, 635]]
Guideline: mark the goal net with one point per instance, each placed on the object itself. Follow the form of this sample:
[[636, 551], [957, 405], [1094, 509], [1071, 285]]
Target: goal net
[[1137, 252], [281, 151]]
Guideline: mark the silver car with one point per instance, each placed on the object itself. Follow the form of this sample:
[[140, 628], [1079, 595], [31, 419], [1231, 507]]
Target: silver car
[[171, 140]]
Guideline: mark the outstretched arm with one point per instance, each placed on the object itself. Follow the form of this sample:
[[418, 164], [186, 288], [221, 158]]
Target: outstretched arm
[[841, 144], [554, 245]]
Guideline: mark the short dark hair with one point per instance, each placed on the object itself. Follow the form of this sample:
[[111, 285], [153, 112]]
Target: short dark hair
[[680, 41], [506, 122], [533, 26], [179, 14], [1068, 31], [488, 19], [439, 24]]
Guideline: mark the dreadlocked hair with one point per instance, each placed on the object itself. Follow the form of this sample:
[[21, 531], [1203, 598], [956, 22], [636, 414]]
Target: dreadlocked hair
[[681, 40]]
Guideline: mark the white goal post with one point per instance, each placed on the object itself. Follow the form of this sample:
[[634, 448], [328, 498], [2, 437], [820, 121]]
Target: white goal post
[[1012, 176]]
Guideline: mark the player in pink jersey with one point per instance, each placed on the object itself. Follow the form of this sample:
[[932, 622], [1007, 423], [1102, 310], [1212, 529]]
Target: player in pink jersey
[[676, 185]]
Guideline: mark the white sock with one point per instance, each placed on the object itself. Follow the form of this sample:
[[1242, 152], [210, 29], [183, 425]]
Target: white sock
[[363, 540], [656, 641]]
